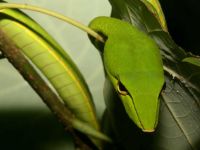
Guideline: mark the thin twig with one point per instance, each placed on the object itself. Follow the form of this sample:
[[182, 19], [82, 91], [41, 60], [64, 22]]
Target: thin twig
[[53, 14]]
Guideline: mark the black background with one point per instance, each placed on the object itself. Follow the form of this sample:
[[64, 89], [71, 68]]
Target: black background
[[183, 19]]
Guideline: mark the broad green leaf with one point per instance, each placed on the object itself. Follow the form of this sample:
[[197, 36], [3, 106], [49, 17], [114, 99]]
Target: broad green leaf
[[179, 124]]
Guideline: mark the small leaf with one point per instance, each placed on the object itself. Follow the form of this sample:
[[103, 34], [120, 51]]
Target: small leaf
[[192, 60], [155, 7]]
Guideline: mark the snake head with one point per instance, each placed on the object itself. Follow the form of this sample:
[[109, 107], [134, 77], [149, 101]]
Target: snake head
[[137, 78], [132, 62]]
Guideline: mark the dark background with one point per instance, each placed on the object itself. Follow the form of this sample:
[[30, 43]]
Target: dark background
[[183, 19]]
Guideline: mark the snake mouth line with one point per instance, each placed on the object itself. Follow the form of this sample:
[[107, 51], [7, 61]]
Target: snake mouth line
[[148, 130]]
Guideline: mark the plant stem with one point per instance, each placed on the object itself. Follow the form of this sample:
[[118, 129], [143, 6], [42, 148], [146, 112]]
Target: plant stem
[[53, 14]]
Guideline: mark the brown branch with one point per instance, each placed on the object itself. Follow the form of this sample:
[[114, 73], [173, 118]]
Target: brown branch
[[18, 60]]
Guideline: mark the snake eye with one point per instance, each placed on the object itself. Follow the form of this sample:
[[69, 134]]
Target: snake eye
[[122, 89]]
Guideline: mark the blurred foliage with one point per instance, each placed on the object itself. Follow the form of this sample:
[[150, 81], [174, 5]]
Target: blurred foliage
[[32, 129]]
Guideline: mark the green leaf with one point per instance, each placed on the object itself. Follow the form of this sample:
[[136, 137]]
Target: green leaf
[[138, 16], [192, 60], [179, 124], [155, 7]]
